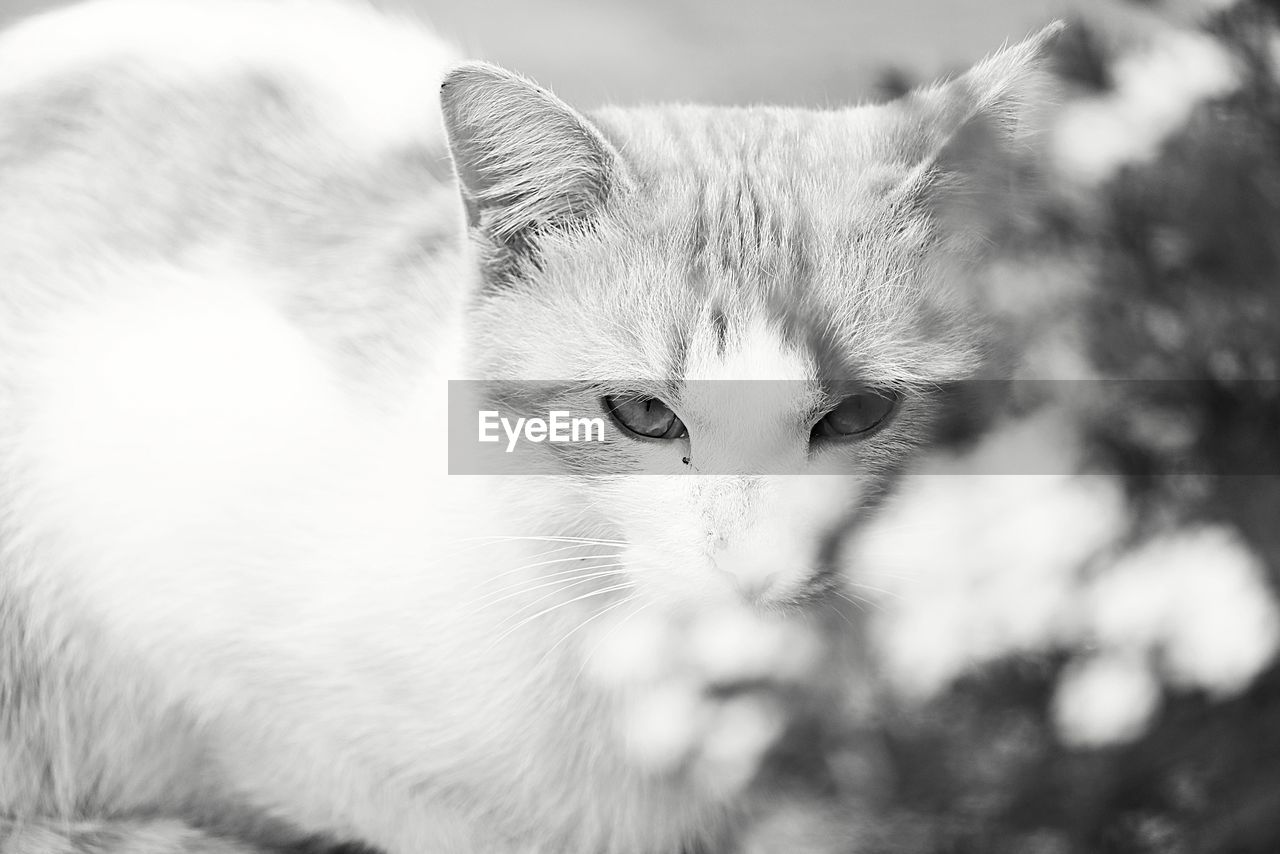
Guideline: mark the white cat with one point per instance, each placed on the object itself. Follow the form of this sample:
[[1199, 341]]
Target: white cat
[[243, 601]]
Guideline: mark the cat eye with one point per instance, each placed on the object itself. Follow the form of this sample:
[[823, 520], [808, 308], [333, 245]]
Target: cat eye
[[856, 415], [646, 416]]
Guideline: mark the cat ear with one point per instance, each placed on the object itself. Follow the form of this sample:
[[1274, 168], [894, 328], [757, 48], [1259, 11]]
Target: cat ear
[[975, 127], [526, 161], [1003, 92]]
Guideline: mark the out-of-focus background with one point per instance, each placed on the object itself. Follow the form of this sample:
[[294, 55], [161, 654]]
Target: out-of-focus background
[[1071, 627], [813, 52]]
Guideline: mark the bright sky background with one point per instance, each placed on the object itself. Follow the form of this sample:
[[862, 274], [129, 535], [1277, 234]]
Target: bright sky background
[[783, 51]]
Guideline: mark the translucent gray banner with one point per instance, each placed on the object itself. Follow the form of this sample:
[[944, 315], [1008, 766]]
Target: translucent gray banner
[[766, 427]]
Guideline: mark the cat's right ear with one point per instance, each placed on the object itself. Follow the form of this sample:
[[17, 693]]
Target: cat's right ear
[[526, 161]]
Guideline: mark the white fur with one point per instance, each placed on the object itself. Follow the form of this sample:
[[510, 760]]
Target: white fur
[[754, 350], [371, 75]]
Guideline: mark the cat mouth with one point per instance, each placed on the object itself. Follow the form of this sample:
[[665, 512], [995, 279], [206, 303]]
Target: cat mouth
[[778, 598], [820, 584], [761, 589]]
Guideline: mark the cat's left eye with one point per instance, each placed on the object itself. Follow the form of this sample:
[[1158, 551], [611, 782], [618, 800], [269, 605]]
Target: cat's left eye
[[856, 415]]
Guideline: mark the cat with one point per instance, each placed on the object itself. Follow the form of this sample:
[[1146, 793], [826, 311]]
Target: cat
[[244, 247]]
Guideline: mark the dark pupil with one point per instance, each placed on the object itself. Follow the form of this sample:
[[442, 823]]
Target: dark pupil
[[646, 416], [857, 413]]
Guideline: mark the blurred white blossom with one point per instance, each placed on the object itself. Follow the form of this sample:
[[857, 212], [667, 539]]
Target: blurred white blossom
[[661, 725], [1199, 600], [703, 693], [968, 569], [1155, 93], [1105, 699], [983, 565]]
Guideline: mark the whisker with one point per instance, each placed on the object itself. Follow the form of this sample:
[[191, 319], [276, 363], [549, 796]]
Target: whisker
[[843, 616], [549, 563], [567, 584], [543, 576], [549, 538], [895, 594], [586, 659], [852, 601], [584, 624], [602, 591], [562, 583], [471, 544], [904, 576]]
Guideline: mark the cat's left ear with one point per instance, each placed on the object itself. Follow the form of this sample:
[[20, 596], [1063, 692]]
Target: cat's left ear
[[527, 162], [967, 131], [1003, 91]]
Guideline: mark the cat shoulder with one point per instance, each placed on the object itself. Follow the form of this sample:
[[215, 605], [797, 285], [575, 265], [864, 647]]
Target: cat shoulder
[[246, 138]]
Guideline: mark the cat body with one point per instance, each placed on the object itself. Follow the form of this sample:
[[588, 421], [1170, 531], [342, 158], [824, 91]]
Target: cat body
[[239, 590]]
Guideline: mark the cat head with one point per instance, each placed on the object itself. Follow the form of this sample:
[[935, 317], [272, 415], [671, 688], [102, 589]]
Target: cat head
[[752, 297]]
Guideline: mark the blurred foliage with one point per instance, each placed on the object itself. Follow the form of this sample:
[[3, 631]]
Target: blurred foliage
[[1187, 296], [1179, 315]]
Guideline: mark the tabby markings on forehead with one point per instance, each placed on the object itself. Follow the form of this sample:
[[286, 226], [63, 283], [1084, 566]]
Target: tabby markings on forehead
[[743, 233], [738, 246]]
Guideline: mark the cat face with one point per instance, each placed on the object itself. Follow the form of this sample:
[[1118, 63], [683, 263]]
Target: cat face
[[760, 301]]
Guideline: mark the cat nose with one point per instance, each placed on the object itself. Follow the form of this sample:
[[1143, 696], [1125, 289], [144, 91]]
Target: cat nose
[[756, 587], [751, 577]]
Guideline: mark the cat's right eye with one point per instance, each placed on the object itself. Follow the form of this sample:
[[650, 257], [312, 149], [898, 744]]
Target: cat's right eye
[[857, 415], [646, 416]]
